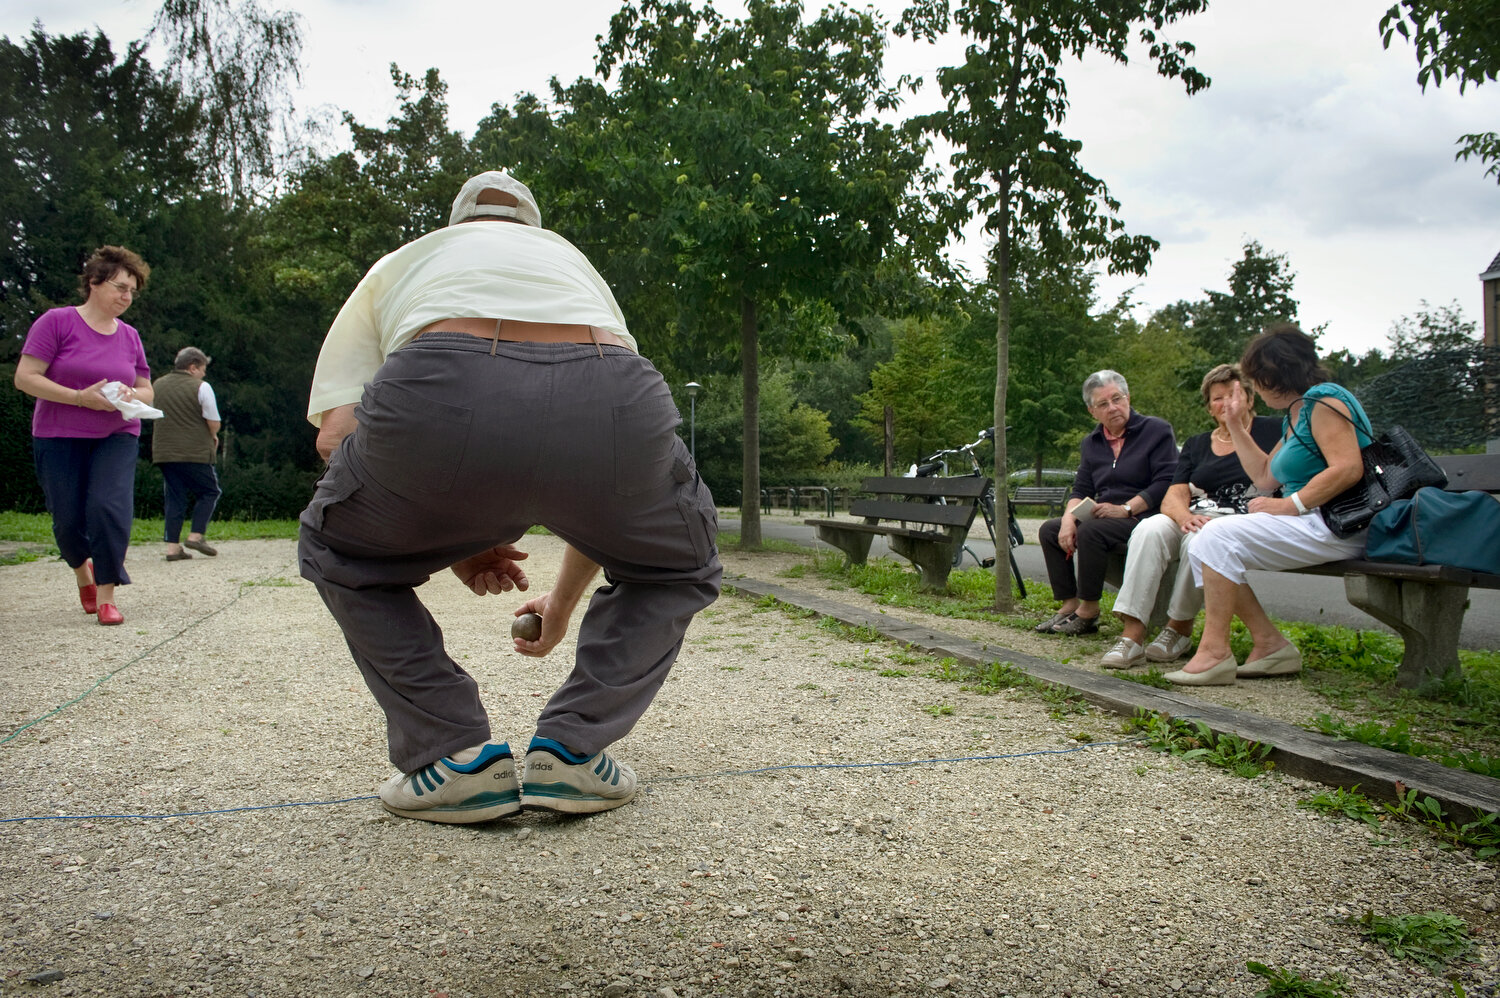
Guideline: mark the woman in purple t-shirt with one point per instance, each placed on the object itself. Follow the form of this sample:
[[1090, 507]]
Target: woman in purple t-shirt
[[85, 449]]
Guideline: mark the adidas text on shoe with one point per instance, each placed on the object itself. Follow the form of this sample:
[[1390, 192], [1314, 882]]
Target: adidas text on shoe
[[557, 779], [457, 793]]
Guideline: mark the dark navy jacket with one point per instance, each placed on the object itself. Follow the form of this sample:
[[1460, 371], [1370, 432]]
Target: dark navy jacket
[[1145, 467]]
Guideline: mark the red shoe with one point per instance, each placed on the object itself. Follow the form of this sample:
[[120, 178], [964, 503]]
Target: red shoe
[[109, 614], [89, 596]]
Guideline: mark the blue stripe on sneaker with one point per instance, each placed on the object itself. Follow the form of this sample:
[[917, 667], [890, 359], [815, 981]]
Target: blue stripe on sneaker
[[558, 749], [491, 753]]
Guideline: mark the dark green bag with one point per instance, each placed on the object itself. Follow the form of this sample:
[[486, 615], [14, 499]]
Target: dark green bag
[[1439, 528]]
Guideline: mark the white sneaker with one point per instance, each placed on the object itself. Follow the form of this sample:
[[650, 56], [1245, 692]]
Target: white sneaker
[[457, 793], [1169, 646], [556, 779], [1123, 655]]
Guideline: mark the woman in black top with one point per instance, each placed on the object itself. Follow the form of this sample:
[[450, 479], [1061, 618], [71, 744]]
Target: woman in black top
[[1210, 482], [1124, 469]]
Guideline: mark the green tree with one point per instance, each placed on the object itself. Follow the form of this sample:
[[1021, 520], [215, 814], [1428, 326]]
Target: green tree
[[1164, 368], [95, 147], [922, 385], [740, 178], [794, 437], [1012, 164], [239, 61], [1260, 293], [1432, 330], [1454, 40]]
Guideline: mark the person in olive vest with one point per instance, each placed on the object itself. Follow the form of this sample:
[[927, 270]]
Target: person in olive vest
[[183, 444]]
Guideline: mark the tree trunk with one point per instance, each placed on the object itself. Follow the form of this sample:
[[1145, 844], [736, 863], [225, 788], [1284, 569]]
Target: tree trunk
[[1004, 602], [750, 428]]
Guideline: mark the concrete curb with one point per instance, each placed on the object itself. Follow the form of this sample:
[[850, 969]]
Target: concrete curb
[[1302, 753]]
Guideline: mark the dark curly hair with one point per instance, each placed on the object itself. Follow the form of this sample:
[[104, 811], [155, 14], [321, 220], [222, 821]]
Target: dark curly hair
[[1283, 359], [108, 261]]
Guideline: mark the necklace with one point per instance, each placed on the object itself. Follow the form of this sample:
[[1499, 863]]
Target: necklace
[[1226, 438]]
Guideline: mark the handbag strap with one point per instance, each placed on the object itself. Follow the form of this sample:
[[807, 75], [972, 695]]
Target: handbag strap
[[1369, 430]]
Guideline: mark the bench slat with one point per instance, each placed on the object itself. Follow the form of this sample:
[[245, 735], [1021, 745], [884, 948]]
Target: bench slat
[[1446, 574], [878, 529], [915, 512], [962, 487], [1471, 472]]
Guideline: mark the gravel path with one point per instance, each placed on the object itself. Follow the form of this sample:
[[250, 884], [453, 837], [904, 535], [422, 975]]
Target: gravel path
[[769, 853]]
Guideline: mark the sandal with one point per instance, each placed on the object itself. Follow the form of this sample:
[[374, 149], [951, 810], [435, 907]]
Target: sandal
[[1078, 625], [1046, 626]]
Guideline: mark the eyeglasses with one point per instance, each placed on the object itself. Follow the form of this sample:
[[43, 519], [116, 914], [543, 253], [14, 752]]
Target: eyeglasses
[[123, 288], [1112, 401]]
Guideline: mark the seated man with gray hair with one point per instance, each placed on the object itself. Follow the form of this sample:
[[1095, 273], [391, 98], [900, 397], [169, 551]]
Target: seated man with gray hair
[[1125, 466], [479, 381]]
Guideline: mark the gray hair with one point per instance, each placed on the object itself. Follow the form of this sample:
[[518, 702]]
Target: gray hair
[[187, 357], [1099, 379]]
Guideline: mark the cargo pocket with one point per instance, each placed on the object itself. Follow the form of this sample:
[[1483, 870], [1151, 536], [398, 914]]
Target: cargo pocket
[[696, 506], [412, 445], [643, 455], [337, 484]]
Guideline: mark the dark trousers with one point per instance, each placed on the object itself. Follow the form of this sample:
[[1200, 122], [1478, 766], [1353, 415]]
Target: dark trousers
[[89, 486], [181, 479], [1082, 576], [459, 450]]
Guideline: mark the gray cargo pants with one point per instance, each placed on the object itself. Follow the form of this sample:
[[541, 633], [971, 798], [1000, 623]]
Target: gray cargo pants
[[459, 450]]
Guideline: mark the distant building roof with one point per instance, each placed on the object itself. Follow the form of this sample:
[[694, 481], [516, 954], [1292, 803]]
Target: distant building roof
[[1493, 270]]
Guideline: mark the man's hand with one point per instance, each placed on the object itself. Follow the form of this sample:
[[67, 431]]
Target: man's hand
[[554, 613], [334, 427], [494, 571]]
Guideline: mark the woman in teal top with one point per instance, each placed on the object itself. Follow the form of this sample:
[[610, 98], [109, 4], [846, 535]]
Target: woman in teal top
[[1318, 458]]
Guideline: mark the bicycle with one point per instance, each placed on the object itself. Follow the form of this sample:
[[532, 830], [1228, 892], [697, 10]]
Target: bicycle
[[936, 465]]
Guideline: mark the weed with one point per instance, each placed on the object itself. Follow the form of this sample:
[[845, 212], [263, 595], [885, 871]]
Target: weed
[[794, 572], [1431, 938], [1395, 737], [1151, 677], [22, 555], [731, 668], [1283, 982], [1195, 740], [938, 709], [863, 633], [1349, 803], [947, 671], [1082, 736], [808, 686], [894, 673], [997, 676]]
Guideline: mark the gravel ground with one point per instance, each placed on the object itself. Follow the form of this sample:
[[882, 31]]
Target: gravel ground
[[769, 852]]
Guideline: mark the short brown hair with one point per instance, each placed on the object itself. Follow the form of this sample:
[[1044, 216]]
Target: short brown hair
[[108, 261], [1223, 375], [188, 356], [1284, 359]]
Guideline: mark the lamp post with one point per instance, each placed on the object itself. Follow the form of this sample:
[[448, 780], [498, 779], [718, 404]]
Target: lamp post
[[693, 388]]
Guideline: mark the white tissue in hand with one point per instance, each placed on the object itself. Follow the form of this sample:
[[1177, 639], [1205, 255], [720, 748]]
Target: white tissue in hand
[[114, 391]]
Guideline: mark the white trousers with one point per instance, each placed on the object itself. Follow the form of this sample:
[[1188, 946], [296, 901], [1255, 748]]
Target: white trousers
[[1158, 547], [1233, 545]]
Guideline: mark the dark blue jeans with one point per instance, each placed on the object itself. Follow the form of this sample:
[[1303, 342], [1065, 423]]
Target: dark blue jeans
[[181, 479], [90, 490]]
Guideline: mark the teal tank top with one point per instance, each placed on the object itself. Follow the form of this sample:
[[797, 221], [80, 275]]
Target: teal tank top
[[1299, 459]]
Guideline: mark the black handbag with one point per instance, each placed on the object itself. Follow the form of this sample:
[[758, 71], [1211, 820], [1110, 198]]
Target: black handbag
[[1396, 466]]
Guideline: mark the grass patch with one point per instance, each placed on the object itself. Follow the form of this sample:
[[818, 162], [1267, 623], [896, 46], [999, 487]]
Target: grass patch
[[1431, 938], [1283, 982], [36, 528], [1151, 677], [1339, 802], [1194, 740]]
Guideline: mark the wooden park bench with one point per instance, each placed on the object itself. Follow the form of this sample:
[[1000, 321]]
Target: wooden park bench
[[924, 520], [1424, 604], [1051, 496]]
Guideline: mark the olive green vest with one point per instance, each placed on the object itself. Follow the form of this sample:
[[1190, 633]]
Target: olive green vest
[[182, 433]]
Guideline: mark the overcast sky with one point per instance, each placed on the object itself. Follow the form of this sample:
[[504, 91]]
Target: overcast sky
[[1312, 139]]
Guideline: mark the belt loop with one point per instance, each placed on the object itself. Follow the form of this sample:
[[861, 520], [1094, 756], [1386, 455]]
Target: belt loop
[[595, 340], [496, 341]]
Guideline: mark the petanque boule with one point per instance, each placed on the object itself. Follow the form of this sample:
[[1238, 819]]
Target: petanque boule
[[527, 627]]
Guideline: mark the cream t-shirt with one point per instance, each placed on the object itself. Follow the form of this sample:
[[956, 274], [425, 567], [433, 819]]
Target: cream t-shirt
[[485, 269]]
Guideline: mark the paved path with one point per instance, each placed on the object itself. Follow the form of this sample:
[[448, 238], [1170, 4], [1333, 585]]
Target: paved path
[[1311, 598]]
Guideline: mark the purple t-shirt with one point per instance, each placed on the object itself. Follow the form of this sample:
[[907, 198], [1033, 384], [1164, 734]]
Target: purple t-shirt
[[77, 357]]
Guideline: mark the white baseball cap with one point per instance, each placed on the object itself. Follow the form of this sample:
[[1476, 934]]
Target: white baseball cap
[[466, 206]]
